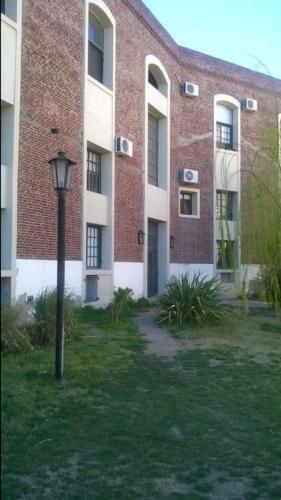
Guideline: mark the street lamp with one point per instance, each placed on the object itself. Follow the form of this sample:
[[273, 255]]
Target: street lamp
[[62, 172]]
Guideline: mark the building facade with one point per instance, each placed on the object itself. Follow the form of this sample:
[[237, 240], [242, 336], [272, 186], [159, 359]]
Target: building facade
[[160, 134]]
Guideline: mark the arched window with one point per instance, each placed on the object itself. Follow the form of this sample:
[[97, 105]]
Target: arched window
[[95, 48], [101, 43], [157, 78]]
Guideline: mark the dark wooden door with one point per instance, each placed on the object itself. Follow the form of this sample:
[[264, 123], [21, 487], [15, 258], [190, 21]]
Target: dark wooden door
[[152, 267]]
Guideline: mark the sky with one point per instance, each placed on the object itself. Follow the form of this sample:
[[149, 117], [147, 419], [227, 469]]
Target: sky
[[245, 32]]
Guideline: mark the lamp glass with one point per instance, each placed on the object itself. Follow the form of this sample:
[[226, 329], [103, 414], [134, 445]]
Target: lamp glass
[[62, 171]]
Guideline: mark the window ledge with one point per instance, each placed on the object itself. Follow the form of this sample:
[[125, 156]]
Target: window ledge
[[98, 272], [189, 216], [100, 85], [9, 21], [228, 151]]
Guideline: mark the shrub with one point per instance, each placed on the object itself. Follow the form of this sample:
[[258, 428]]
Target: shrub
[[122, 301], [44, 328], [191, 300], [13, 333]]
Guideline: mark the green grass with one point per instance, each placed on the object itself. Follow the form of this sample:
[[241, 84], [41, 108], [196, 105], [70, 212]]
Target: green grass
[[124, 425]]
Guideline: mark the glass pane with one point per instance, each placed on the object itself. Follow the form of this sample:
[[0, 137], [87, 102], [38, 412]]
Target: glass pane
[[95, 31], [95, 63]]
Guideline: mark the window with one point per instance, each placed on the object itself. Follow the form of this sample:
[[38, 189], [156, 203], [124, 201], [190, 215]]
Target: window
[[5, 291], [94, 172], [189, 203], [3, 7], [94, 242], [152, 150], [92, 288], [225, 254], [152, 80], [227, 278], [224, 136], [225, 205], [95, 48]]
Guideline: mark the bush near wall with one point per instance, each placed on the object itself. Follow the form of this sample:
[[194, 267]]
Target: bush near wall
[[191, 300]]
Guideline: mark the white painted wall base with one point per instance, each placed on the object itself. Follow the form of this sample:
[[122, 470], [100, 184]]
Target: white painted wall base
[[207, 270], [35, 275], [129, 274]]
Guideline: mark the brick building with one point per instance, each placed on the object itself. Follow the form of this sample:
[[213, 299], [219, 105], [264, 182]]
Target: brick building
[[160, 135]]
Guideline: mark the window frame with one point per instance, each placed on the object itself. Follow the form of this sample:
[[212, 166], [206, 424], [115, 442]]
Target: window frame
[[94, 176], [225, 210], [153, 179], [219, 259], [229, 146], [98, 246], [195, 193], [98, 50]]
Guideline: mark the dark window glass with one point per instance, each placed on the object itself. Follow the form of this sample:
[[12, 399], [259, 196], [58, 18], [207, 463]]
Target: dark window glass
[[92, 288], [3, 7], [224, 136], [225, 205], [5, 291], [186, 203], [152, 80], [94, 172], [152, 150], [225, 254], [95, 48], [93, 246]]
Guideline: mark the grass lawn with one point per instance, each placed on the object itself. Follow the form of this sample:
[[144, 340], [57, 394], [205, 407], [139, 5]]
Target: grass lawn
[[125, 425]]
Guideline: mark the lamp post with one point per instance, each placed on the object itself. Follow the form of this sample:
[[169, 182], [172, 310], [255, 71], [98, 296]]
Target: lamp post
[[62, 172]]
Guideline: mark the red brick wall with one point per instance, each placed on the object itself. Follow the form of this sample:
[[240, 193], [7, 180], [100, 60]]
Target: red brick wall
[[51, 96], [139, 34]]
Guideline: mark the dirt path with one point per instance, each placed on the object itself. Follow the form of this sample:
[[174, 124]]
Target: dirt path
[[157, 340]]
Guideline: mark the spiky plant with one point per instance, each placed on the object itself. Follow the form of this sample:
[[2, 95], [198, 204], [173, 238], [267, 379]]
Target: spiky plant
[[192, 299]]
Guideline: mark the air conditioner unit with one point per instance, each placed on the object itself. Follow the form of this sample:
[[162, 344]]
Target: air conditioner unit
[[189, 176], [190, 89], [249, 104], [123, 147]]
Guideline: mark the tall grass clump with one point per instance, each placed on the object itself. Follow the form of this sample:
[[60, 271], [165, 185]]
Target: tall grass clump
[[14, 336], [44, 327], [191, 300], [122, 302]]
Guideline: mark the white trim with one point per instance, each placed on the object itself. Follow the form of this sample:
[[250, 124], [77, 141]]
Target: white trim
[[234, 104], [152, 60], [129, 274], [207, 270], [34, 275], [87, 78]]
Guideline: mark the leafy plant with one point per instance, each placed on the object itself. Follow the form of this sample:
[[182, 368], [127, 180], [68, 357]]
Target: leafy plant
[[13, 333], [44, 328], [261, 214], [122, 301], [271, 283], [191, 300]]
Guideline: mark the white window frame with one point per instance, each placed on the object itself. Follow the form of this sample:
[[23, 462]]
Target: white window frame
[[191, 191]]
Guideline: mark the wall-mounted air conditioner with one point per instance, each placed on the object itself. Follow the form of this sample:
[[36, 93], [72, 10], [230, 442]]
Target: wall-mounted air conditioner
[[190, 89], [189, 176], [123, 147], [249, 104]]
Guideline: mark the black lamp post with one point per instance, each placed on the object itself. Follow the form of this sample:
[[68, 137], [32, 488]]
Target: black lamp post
[[62, 172]]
